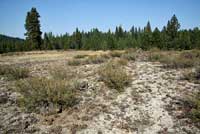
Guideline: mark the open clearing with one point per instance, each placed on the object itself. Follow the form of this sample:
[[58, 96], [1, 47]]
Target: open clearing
[[148, 105]]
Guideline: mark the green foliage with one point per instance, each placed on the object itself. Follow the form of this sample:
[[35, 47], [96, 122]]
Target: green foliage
[[32, 26], [169, 38], [114, 76], [39, 94], [13, 72]]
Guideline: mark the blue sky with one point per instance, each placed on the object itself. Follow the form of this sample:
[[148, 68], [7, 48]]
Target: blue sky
[[61, 16]]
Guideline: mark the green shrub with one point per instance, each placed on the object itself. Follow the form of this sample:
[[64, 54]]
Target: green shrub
[[43, 93], [80, 56], [13, 72], [114, 76]]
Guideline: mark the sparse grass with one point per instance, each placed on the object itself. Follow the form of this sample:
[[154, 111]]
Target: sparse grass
[[44, 95], [80, 56], [191, 108], [95, 59], [122, 61], [175, 59], [63, 73], [129, 56], [115, 53], [74, 62], [193, 76], [13, 72], [155, 56], [114, 76]]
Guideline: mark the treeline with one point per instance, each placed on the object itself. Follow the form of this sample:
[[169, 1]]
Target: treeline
[[169, 38]]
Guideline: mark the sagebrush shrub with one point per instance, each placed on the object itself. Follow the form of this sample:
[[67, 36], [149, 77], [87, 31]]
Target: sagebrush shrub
[[114, 76], [43, 93], [13, 72]]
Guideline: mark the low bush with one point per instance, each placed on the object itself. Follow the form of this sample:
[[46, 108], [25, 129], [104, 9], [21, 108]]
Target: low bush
[[155, 56], [115, 53], [122, 61], [95, 59], [13, 72], [74, 62], [129, 56], [177, 59], [193, 76], [114, 76], [44, 95], [63, 73], [80, 56], [192, 106]]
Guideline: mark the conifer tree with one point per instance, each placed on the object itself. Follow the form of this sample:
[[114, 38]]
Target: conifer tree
[[32, 26]]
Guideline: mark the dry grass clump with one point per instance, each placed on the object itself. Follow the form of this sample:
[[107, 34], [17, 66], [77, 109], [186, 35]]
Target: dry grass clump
[[193, 76], [80, 56], [131, 56], [44, 95], [191, 108], [114, 76], [116, 53], [95, 59], [175, 59], [13, 72], [63, 73], [122, 61], [75, 62]]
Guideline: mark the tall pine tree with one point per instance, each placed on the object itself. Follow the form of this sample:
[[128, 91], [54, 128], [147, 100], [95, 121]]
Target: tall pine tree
[[32, 25]]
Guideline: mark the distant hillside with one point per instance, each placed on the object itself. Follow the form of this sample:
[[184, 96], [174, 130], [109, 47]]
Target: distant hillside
[[8, 38], [10, 44]]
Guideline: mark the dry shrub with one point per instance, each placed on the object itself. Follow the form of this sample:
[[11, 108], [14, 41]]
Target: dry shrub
[[177, 59], [74, 62], [122, 61], [80, 56], [13, 72], [193, 76], [45, 95], [191, 108], [129, 56], [63, 73], [115, 53], [95, 59], [114, 76]]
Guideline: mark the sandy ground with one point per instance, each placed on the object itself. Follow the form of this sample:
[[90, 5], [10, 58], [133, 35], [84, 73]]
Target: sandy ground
[[143, 108]]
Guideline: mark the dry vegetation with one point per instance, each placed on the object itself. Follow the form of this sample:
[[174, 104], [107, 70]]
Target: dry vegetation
[[14, 72], [114, 75], [74, 89]]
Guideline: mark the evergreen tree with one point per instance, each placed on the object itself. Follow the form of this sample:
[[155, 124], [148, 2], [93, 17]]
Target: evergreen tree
[[156, 39], [32, 25], [148, 27]]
